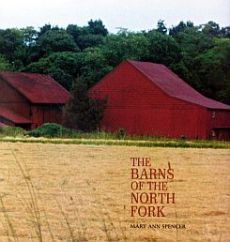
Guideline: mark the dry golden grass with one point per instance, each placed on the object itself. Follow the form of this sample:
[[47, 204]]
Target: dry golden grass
[[82, 193]]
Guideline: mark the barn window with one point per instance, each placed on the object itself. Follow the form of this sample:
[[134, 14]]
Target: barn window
[[213, 114], [213, 133]]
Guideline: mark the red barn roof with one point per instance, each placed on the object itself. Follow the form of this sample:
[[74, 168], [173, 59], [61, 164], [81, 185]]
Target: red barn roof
[[37, 88], [14, 117], [174, 86]]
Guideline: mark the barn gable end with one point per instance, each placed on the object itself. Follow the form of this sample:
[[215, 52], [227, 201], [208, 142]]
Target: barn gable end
[[140, 105]]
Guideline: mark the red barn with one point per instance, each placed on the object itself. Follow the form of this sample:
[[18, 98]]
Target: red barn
[[149, 99], [29, 100]]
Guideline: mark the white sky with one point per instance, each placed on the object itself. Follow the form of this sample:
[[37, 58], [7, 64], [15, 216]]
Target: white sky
[[135, 15]]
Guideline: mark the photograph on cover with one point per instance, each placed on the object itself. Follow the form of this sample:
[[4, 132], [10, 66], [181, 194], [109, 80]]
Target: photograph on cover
[[114, 121]]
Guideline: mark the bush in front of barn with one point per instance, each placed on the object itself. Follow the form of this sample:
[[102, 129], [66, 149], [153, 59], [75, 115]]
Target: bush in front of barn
[[50, 130]]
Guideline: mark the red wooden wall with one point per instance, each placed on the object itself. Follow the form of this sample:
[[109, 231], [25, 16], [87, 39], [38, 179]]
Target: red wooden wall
[[39, 114], [140, 107], [219, 122], [46, 114]]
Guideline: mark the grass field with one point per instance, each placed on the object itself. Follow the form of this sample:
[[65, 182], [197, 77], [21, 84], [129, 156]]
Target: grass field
[[142, 142], [70, 192]]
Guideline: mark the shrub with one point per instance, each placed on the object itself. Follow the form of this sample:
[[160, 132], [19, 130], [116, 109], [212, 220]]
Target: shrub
[[11, 131], [50, 130], [120, 133]]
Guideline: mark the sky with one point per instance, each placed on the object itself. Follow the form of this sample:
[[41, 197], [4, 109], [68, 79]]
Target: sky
[[135, 15]]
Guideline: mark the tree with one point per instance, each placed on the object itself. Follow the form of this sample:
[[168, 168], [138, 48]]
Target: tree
[[193, 41], [46, 28], [93, 65], [125, 45], [213, 68], [89, 40], [81, 112], [163, 49], [62, 66], [87, 36], [55, 41], [29, 35], [211, 29], [74, 31], [180, 27], [225, 32], [4, 64], [11, 40], [161, 28], [97, 27]]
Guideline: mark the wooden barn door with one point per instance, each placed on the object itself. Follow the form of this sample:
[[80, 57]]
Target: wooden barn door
[[37, 116]]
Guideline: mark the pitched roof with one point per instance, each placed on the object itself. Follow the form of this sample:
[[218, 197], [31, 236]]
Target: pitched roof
[[12, 116], [174, 86], [37, 88]]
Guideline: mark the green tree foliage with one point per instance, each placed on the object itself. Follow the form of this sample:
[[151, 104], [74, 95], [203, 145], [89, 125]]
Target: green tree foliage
[[180, 27], [213, 68], [163, 49], [88, 36], [125, 45], [97, 27], [192, 43], [4, 64], [198, 54], [29, 36], [93, 66], [161, 28], [12, 46], [225, 32], [81, 112], [89, 40], [55, 41], [46, 28], [211, 29], [62, 66]]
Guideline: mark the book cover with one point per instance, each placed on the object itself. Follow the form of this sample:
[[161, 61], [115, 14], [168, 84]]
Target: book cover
[[156, 166]]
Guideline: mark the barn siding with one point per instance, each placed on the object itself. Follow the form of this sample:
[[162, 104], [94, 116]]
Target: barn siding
[[219, 122], [13, 100], [140, 107], [32, 101], [219, 118], [158, 122], [46, 114]]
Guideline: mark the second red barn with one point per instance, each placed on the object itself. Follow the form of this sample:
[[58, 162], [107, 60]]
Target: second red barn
[[28, 100], [149, 99]]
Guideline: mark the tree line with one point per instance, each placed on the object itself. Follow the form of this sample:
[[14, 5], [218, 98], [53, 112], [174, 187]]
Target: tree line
[[198, 54]]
